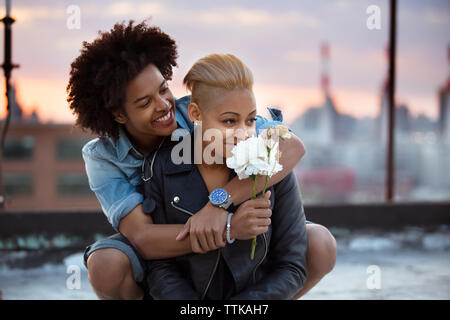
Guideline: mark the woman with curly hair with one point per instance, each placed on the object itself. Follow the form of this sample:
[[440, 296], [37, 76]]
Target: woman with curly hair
[[118, 90]]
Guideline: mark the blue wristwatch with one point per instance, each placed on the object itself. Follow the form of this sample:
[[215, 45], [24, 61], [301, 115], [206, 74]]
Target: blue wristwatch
[[220, 198]]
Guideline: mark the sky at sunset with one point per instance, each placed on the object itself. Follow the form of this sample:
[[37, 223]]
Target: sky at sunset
[[278, 40]]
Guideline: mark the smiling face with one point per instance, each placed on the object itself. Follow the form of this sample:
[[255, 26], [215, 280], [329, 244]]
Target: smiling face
[[232, 113], [149, 109]]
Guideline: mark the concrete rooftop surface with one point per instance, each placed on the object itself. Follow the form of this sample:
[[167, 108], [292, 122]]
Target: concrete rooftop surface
[[409, 264]]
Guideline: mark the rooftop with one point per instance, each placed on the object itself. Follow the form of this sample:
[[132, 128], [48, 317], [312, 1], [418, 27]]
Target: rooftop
[[413, 263]]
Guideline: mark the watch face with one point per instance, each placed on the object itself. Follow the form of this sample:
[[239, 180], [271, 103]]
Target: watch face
[[218, 196]]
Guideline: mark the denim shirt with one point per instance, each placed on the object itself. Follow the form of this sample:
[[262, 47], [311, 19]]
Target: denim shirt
[[114, 166]]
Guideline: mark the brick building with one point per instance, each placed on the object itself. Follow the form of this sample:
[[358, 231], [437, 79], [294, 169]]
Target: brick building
[[43, 168]]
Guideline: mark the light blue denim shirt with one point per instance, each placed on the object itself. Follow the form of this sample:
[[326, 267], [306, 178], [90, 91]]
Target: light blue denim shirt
[[114, 166]]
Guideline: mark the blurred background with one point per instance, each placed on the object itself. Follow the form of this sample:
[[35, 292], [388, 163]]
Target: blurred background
[[317, 61], [324, 63]]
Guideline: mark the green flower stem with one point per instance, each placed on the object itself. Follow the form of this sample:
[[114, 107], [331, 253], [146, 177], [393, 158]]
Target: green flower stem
[[265, 186], [255, 184], [252, 254]]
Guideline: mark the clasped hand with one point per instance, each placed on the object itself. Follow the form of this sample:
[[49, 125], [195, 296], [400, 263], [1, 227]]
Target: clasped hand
[[206, 229]]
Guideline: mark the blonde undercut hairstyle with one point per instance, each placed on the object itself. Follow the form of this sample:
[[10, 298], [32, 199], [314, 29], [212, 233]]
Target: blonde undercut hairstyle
[[212, 76]]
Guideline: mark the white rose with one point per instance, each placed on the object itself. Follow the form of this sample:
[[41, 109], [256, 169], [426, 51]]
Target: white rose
[[249, 157], [252, 157]]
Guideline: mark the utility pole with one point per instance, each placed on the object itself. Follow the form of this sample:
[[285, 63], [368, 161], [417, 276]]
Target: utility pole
[[7, 68], [390, 172]]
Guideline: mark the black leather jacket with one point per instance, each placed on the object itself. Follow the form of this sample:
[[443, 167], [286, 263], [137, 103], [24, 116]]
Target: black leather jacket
[[278, 271]]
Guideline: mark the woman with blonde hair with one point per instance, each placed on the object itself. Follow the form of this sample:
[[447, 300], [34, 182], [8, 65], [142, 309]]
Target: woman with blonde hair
[[222, 99]]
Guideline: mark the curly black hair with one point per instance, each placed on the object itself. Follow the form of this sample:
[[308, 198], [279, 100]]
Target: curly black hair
[[100, 74]]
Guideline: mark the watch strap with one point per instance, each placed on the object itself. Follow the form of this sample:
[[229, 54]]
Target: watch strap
[[227, 203]]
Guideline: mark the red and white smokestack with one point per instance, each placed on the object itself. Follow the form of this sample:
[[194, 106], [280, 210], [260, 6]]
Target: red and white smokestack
[[324, 57]]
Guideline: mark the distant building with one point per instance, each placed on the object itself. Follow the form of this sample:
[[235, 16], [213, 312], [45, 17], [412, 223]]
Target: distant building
[[346, 157], [382, 118], [444, 107], [324, 125], [403, 119], [17, 114], [318, 124], [34, 117], [405, 124], [43, 168], [16, 108]]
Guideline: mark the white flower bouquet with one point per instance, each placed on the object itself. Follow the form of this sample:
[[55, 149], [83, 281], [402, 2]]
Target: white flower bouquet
[[258, 155]]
